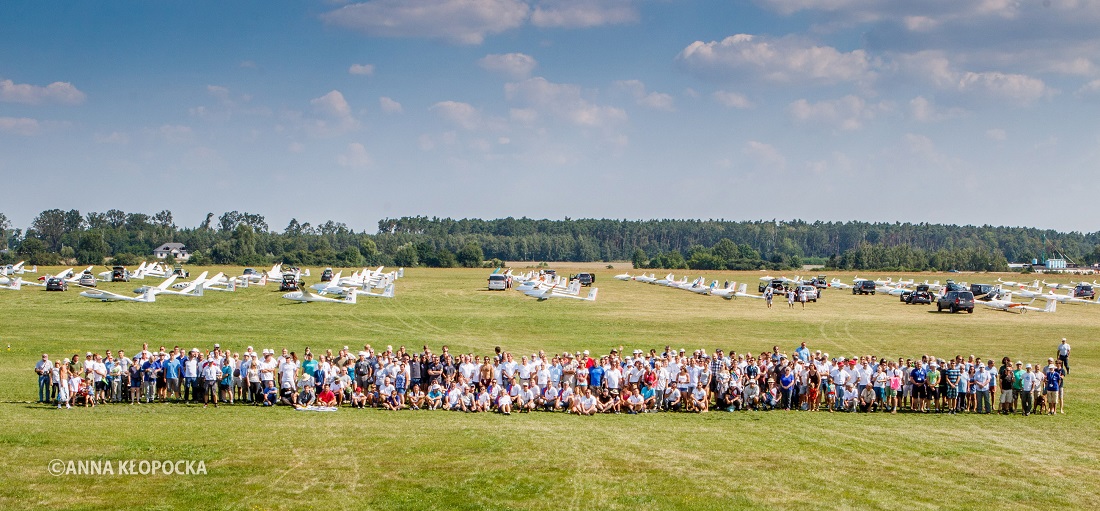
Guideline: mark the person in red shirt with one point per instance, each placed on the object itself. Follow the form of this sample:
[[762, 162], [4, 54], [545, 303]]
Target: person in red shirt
[[326, 397]]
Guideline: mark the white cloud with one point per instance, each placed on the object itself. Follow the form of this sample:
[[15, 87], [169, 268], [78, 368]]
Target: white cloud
[[461, 114], [334, 115], [1089, 89], [56, 92], [514, 65], [113, 138], [653, 100], [784, 60], [997, 134], [924, 110], [457, 21], [389, 106], [583, 13], [361, 69], [847, 113], [564, 101], [19, 126], [523, 115], [354, 157], [732, 99], [765, 155], [1014, 87]]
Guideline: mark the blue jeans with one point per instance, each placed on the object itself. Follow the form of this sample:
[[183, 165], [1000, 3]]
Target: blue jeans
[[44, 388], [189, 388]]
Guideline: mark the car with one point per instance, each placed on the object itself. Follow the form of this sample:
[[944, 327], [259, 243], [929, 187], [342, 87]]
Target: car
[[250, 271], [820, 282], [86, 280], [810, 292], [326, 275], [498, 282], [586, 279], [776, 284], [919, 298], [980, 290], [956, 301], [120, 274], [1084, 291], [56, 284], [864, 287], [954, 286], [289, 283], [178, 271]]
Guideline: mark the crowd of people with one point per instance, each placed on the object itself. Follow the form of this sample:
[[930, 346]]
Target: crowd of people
[[572, 382]]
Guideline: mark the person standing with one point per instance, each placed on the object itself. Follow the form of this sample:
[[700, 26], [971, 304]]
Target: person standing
[[43, 368], [1027, 384], [1063, 354], [211, 373], [1053, 385]]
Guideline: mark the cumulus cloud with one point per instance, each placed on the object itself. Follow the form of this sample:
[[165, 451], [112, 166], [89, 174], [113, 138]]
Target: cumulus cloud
[[924, 110], [1015, 87], [583, 13], [648, 99], [847, 113], [765, 155], [936, 68], [461, 114], [389, 106], [784, 60], [564, 101], [361, 69], [355, 156], [333, 115], [732, 99], [19, 126], [513, 65], [56, 92], [456, 21]]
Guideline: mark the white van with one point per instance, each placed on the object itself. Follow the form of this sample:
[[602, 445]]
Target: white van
[[498, 282]]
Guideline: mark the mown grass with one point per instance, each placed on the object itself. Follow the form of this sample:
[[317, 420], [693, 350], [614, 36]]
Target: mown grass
[[352, 459]]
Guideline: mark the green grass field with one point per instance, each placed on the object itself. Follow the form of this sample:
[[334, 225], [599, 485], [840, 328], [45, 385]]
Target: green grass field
[[368, 459]]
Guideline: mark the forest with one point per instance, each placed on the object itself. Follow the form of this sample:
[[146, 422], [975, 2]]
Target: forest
[[57, 236]]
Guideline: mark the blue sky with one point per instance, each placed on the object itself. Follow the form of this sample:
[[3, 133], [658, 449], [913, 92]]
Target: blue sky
[[936, 111]]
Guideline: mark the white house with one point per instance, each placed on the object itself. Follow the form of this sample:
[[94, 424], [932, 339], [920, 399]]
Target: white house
[[176, 250]]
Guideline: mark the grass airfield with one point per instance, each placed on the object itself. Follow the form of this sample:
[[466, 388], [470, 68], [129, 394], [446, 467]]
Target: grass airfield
[[263, 458]]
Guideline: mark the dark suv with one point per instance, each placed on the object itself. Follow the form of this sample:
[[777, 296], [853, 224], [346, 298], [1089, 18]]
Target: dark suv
[[1084, 291], [956, 301], [586, 279], [864, 287]]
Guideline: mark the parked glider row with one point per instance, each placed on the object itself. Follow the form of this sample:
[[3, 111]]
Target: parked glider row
[[699, 286], [999, 297], [547, 286], [345, 289]]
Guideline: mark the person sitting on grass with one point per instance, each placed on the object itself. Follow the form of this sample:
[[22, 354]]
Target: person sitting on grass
[[866, 399], [268, 395], [416, 398], [700, 403], [305, 398], [851, 397], [567, 399], [635, 403], [504, 403], [466, 401], [454, 397], [327, 397], [527, 398], [358, 398], [435, 396], [484, 400], [672, 399], [586, 405]]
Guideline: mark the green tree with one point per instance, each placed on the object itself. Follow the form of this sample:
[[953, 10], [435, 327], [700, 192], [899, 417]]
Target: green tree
[[406, 256], [92, 249], [470, 256]]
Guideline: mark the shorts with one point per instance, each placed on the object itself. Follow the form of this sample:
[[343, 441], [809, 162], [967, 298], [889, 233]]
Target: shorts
[[1052, 396], [101, 386], [211, 385], [174, 385], [891, 392], [919, 392], [1006, 397]]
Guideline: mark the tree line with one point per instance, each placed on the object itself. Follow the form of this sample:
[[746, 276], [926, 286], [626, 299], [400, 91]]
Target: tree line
[[246, 238]]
